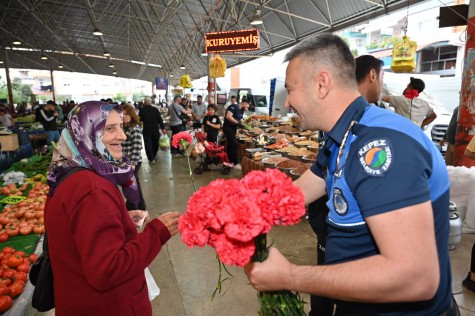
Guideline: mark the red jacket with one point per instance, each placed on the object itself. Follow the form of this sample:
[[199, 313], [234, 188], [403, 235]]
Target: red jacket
[[97, 256]]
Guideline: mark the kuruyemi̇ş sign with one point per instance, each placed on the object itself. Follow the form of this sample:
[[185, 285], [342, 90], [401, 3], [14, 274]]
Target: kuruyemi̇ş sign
[[232, 41]]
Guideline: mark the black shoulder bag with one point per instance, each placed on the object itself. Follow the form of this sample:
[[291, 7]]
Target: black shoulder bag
[[41, 274], [184, 117]]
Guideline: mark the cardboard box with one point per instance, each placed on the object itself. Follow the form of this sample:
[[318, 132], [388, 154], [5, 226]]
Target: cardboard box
[[9, 142]]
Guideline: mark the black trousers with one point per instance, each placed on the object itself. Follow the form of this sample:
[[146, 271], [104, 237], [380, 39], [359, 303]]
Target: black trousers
[[141, 206], [231, 145], [151, 138], [317, 214], [175, 130]]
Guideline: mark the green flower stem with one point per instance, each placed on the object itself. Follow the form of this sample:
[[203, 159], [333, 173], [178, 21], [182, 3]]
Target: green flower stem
[[272, 303], [185, 144]]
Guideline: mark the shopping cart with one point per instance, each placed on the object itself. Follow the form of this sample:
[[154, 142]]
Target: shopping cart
[[212, 155]]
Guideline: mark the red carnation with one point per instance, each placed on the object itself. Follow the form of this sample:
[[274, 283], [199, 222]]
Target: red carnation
[[182, 140]]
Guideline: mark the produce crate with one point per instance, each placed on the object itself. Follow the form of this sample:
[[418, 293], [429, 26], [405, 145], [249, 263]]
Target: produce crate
[[25, 151], [6, 160], [23, 137], [9, 142]]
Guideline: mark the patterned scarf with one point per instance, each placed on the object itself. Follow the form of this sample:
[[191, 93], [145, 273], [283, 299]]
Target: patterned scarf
[[80, 146]]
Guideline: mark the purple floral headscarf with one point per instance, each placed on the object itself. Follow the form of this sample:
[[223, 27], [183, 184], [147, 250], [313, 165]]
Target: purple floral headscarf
[[81, 146]]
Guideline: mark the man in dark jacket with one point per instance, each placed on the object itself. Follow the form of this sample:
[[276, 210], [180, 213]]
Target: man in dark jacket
[[152, 124], [47, 117]]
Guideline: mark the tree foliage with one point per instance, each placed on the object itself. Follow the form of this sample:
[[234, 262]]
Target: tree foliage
[[21, 92]]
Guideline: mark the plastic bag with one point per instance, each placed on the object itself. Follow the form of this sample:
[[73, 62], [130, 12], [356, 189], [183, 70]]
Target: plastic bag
[[164, 142], [404, 54], [153, 289]]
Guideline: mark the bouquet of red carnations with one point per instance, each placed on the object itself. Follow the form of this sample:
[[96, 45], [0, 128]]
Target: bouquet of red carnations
[[233, 216]]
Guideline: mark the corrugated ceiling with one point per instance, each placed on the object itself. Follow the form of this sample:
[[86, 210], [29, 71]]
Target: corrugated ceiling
[[142, 34]]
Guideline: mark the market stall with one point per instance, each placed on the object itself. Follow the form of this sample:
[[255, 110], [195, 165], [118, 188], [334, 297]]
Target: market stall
[[22, 200], [276, 143]]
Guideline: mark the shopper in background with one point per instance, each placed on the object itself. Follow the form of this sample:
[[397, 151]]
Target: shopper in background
[[449, 137], [211, 124], [5, 118], [97, 256], [152, 124], [410, 105], [132, 148], [469, 282], [370, 77], [388, 225], [47, 117], [232, 120], [198, 112], [176, 124]]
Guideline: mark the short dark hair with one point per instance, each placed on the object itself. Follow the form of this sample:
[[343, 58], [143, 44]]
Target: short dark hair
[[176, 97], [364, 64], [199, 97], [233, 97], [329, 50], [212, 106], [417, 84]]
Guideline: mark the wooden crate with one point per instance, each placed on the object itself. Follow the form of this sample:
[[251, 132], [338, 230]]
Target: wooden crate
[[9, 142]]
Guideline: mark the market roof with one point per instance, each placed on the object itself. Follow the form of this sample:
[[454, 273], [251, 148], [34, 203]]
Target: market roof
[[150, 38]]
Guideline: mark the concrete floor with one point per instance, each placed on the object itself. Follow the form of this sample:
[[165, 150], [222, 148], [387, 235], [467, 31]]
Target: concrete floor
[[187, 277]]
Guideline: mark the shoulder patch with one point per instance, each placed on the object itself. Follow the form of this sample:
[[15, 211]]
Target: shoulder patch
[[375, 156]]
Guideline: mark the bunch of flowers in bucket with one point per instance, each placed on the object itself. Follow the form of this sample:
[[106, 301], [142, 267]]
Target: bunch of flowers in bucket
[[238, 231]]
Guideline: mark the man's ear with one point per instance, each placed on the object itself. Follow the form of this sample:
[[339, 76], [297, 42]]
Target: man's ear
[[323, 83], [372, 76]]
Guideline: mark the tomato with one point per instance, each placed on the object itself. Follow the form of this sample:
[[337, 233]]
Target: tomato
[[16, 288], [24, 267], [20, 253], [8, 250], [3, 237], [6, 303], [39, 229], [3, 289], [12, 230], [14, 261], [26, 230], [21, 276], [33, 257], [9, 273], [30, 214], [6, 281]]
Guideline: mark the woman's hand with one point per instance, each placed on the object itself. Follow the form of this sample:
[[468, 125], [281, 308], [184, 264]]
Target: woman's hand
[[170, 220]]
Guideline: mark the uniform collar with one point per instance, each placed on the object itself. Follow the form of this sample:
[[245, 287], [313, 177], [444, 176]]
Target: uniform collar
[[353, 112]]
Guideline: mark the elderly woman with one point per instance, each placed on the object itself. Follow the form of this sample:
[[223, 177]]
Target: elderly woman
[[97, 256]]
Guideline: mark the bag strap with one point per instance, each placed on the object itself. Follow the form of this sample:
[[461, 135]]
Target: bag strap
[[70, 172], [173, 106]]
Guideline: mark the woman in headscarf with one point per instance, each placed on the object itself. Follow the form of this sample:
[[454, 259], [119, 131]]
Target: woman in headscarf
[[97, 256]]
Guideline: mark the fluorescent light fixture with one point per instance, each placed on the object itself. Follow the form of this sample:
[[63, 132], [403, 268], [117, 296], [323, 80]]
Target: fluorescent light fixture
[[16, 42], [60, 67], [114, 72], [97, 32], [155, 65], [107, 54], [111, 65], [257, 18], [182, 66], [1, 61], [204, 54], [137, 62], [44, 57], [171, 75]]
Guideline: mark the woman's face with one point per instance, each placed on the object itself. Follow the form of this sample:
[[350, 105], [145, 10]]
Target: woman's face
[[127, 118], [211, 111], [114, 135]]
